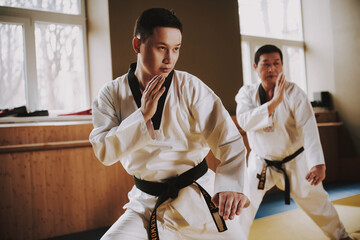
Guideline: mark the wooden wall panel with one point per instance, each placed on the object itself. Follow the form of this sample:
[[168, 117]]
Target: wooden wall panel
[[47, 193], [16, 201], [329, 136], [52, 193], [44, 134]]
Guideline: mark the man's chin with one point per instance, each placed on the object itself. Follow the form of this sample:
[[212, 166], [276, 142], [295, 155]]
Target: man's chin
[[271, 79], [165, 75]]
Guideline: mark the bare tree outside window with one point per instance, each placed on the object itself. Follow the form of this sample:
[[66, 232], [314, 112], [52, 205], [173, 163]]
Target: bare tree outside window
[[60, 6], [43, 55], [12, 80], [59, 63]]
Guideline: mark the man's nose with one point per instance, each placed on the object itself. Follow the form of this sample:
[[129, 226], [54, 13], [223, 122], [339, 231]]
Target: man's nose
[[271, 68], [168, 57]]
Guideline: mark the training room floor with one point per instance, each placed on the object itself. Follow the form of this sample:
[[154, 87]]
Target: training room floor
[[273, 203], [280, 222], [272, 207]]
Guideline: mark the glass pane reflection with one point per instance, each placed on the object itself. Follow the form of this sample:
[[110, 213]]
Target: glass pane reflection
[[12, 78], [60, 6], [60, 66], [274, 19]]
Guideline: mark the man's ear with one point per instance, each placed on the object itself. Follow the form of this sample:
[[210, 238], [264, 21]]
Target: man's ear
[[136, 44], [255, 66]]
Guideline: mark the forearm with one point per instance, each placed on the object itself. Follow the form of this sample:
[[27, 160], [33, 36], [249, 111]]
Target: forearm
[[273, 103], [251, 116], [254, 119], [312, 144], [114, 143]]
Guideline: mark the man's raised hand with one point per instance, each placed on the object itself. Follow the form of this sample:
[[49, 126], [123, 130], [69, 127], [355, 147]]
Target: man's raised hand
[[278, 95], [279, 88], [151, 95]]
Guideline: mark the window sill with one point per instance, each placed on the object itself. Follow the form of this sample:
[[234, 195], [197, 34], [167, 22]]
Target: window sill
[[44, 121]]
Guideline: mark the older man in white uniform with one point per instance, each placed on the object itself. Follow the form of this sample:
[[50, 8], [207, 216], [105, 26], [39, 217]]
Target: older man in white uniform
[[160, 124], [285, 144]]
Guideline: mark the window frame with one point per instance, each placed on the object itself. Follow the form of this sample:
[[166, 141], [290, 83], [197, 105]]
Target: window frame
[[253, 41], [27, 18]]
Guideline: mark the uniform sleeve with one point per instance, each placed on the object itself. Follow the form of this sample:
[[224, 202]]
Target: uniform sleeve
[[224, 140], [249, 116], [111, 139], [306, 123]]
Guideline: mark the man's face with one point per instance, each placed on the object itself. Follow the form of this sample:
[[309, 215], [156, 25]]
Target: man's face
[[160, 52], [268, 67]]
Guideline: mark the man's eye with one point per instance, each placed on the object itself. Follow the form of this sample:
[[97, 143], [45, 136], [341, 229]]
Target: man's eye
[[162, 48]]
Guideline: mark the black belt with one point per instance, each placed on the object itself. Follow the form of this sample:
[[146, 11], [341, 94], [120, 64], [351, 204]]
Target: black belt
[[170, 189], [278, 165]]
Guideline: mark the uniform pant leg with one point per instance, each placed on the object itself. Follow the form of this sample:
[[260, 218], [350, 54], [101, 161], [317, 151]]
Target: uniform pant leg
[[133, 226], [318, 207], [255, 166], [210, 232], [314, 201], [172, 225], [130, 226]]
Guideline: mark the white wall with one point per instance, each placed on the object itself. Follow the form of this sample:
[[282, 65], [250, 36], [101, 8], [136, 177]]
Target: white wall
[[332, 37], [100, 66], [319, 46], [346, 36]]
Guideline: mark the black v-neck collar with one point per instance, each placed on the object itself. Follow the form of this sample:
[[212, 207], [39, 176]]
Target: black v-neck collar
[[262, 95], [135, 89]]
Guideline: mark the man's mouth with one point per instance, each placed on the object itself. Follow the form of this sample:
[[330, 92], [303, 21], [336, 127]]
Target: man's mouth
[[165, 70]]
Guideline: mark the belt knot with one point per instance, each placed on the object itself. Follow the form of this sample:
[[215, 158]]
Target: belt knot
[[171, 188], [277, 164]]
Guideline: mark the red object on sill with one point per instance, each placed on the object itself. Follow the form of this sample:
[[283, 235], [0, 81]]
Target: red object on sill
[[85, 112]]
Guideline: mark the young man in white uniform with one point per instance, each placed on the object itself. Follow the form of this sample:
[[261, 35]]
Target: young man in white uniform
[[281, 126], [160, 124]]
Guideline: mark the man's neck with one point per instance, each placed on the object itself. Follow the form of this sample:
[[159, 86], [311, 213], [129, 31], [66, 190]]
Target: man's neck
[[269, 90], [143, 78]]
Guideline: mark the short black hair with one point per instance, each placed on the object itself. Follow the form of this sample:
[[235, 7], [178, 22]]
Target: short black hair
[[267, 49], [152, 18]]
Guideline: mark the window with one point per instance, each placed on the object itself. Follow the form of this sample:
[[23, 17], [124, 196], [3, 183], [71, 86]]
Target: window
[[276, 22], [43, 60]]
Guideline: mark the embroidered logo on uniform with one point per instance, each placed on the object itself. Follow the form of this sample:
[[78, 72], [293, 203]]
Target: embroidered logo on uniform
[[269, 128]]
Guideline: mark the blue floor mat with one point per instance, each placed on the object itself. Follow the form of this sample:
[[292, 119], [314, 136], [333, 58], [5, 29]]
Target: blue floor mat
[[273, 203]]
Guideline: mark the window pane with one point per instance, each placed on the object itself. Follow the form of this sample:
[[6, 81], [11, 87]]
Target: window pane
[[271, 18], [295, 62], [12, 78], [60, 66], [60, 6]]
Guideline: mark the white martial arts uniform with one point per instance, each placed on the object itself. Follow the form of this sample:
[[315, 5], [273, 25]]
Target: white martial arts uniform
[[291, 126], [193, 121]]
